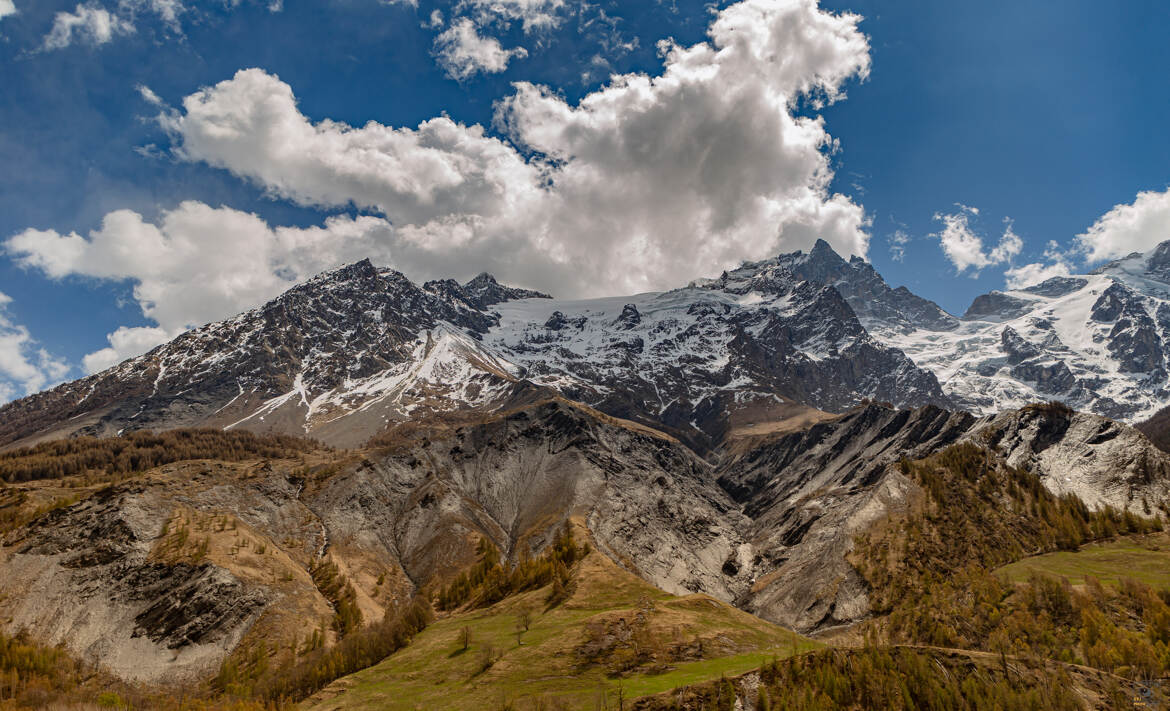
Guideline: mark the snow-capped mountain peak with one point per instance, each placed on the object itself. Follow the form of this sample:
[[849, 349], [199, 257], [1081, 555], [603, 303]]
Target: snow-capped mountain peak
[[1095, 341], [358, 348], [355, 349]]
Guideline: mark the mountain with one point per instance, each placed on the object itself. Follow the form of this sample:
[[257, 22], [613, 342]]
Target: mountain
[[880, 308], [353, 351], [359, 349], [1097, 342], [622, 473], [336, 357]]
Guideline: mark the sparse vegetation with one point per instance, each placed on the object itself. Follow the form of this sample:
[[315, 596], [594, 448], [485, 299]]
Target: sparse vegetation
[[15, 511], [37, 676], [253, 676], [548, 670], [978, 512]]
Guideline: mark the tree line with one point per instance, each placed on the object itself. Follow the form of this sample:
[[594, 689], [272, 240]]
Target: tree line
[[143, 450]]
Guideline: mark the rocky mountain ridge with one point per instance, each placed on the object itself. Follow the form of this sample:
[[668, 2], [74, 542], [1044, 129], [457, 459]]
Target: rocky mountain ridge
[[352, 351], [726, 438], [1097, 342]]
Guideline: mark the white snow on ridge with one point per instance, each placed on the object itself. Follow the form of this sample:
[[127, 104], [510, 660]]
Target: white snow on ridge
[[668, 332], [446, 366], [974, 368]]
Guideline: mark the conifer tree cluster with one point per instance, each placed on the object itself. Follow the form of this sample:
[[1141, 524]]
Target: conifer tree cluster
[[282, 677], [931, 573], [139, 451], [489, 581], [978, 511], [340, 593]]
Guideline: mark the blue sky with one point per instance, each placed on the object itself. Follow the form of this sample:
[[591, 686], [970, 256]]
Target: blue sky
[[930, 130]]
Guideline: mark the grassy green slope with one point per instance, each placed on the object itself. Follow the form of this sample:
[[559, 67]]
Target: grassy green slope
[[570, 655], [1142, 558]]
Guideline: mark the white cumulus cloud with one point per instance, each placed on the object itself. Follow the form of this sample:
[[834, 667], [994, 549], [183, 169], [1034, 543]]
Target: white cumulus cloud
[[7, 7], [646, 183], [167, 10], [197, 264], [1137, 227], [533, 15], [1030, 274], [964, 247], [463, 52], [91, 23], [24, 368], [126, 342]]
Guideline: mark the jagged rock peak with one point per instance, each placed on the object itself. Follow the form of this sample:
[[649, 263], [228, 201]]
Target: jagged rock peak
[[881, 309], [823, 251], [996, 305], [486, 291], [1159, 260], [360, 271], [629, 317]]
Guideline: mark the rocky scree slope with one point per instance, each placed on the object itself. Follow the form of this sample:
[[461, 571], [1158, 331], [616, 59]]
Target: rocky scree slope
[[158, 579]]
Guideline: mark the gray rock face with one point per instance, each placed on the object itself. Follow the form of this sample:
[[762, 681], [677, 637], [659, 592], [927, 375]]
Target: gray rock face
[[1158, 262], [871, 298], [1101, 461], [810, 493], [1051, 377], [1017, 348], [1033, 363], [1112, 303], [767, 529], [1135, 343], [996, 306], [648, 500], [187, 604], [1056, 286], [83, 576]]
